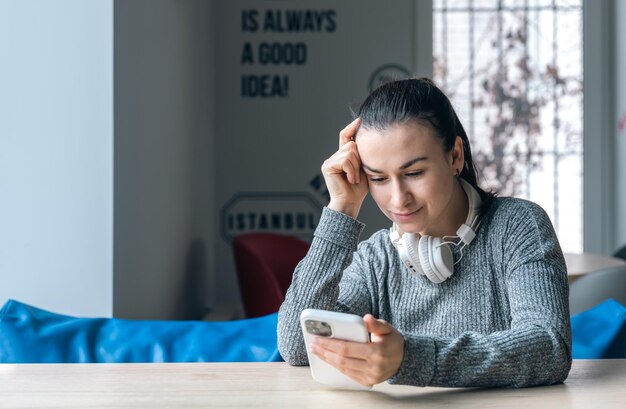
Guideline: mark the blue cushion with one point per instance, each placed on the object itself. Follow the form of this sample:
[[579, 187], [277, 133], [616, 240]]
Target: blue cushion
[[33, 335], [600, 332]]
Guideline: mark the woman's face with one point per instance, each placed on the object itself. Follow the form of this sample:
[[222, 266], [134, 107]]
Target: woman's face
[[412, 179]]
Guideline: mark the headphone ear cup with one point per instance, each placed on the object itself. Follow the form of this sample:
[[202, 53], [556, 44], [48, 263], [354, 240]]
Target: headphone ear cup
[[436, 261], [409, 253]]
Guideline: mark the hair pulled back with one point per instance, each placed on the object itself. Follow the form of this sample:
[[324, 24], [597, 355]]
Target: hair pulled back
[[419, 99]]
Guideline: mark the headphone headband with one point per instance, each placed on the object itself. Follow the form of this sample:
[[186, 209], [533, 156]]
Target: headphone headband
[[474, 203]]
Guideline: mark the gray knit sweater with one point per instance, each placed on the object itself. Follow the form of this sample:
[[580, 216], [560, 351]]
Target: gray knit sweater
[[502, 319]]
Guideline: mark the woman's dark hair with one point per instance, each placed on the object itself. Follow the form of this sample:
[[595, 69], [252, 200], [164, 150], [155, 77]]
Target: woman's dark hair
[[399, 102]]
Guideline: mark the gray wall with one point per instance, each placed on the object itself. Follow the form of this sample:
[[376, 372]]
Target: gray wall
[[184, 150], [271, 148], [619, 123], [164, 158], [56, 154]]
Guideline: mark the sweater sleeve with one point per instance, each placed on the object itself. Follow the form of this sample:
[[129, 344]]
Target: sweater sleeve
[[328, 278], [536, 350]]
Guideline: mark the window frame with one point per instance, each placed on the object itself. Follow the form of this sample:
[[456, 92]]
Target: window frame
[[599, 233]]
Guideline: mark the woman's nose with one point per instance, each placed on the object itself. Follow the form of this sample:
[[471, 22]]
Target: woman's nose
[[400, 196]]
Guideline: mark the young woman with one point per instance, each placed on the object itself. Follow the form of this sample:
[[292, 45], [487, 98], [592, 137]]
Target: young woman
[[465, 289]]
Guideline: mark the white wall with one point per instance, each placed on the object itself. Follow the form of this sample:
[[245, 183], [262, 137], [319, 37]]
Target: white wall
[[56, 154], [164, 158], [94, 224]]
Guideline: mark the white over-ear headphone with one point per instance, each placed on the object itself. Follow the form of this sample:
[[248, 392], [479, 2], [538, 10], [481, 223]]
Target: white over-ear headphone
[[431, 256]]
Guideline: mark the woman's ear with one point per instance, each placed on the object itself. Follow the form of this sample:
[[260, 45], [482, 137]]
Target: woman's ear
[[457, 156]]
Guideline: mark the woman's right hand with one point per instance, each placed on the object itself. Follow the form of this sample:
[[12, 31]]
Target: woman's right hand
[[345, 180]]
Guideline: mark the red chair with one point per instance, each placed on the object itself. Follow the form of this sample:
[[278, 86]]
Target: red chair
[[265, 263]]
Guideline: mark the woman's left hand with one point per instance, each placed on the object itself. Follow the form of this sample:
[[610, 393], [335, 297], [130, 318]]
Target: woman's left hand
[[370, 363]]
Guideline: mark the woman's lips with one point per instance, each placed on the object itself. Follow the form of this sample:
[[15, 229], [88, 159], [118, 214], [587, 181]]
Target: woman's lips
[[403, 217]]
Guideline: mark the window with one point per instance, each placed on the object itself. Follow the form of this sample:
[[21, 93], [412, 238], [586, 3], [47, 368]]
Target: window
[[514, 71]]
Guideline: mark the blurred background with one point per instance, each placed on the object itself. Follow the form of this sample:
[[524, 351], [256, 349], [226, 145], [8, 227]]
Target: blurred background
[[139, 137]]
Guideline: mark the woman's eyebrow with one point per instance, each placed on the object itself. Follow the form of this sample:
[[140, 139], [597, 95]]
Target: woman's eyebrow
[[404, 166], [413, 161]]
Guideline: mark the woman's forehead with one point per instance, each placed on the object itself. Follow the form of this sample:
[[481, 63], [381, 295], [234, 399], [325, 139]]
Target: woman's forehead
[[397, 145], [400, 136]]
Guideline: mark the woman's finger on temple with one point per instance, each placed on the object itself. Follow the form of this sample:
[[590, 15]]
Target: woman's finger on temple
[[348, 168], [353, 157], [357, 166], [347, 134]]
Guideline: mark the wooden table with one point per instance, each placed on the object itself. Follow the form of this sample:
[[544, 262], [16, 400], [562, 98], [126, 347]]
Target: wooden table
[[591, 384], [580, 264]]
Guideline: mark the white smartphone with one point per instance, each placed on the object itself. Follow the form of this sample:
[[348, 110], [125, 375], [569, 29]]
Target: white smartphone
[[331, 324]]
